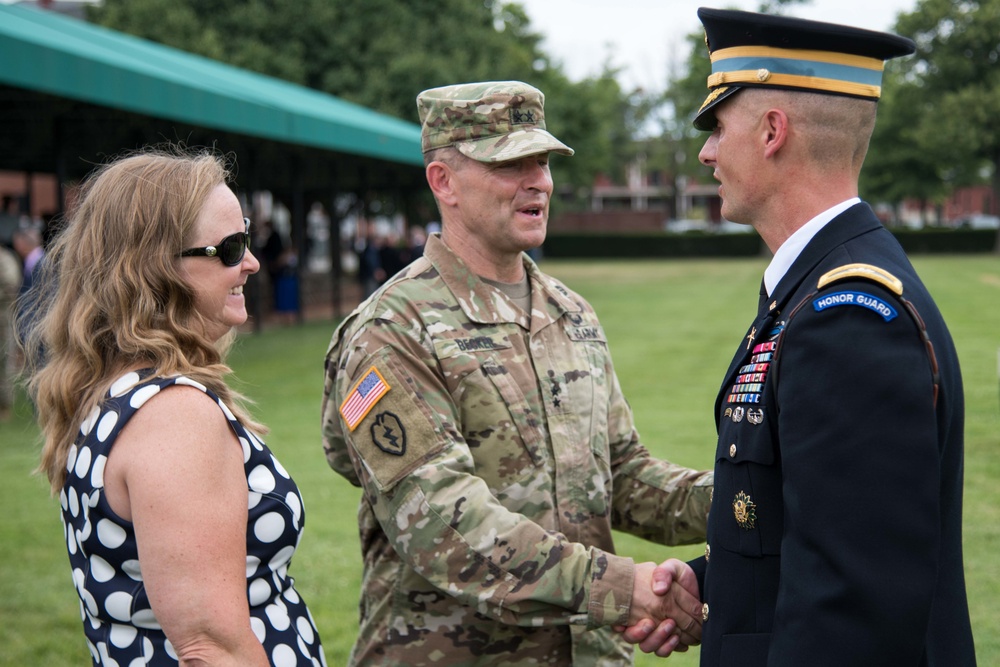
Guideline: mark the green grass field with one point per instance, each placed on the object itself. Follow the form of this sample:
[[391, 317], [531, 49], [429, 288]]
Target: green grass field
[[672, 326]]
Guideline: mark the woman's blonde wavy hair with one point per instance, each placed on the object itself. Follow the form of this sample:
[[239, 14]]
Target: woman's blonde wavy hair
[[110, 296]]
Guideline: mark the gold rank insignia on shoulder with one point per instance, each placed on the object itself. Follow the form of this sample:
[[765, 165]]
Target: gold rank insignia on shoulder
[[866, 271], [745, 511]]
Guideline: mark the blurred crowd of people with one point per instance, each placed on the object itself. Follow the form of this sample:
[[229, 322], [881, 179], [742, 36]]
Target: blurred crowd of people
[[18, 262], [381, 256]]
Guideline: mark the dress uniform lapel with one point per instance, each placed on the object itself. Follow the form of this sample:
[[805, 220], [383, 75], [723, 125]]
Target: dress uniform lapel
[[761, 325], [855, 221]]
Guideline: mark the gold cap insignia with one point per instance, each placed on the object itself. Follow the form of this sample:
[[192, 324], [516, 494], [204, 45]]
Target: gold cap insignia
[[745, 511], [712, 95]]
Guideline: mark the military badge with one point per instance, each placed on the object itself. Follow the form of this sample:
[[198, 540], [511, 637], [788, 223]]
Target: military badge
[[738, 414], [749, 383], [388, 434], [745, 511], [776, 330], [755, 417]]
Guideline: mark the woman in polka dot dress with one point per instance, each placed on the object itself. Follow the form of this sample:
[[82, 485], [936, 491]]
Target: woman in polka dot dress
[[154, 458]]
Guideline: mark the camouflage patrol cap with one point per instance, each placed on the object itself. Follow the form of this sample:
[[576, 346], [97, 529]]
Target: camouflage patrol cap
[[492, 121]]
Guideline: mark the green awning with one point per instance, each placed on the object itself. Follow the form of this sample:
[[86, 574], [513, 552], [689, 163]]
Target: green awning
[[50, 53]]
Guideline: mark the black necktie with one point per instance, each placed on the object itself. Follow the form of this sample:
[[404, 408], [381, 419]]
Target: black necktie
[[762, 304]]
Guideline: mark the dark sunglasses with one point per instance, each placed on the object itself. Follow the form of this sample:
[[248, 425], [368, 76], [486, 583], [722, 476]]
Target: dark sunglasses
[[230, 249]]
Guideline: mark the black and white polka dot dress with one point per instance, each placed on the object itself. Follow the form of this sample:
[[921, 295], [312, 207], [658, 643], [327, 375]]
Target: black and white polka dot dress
[[120, 626]]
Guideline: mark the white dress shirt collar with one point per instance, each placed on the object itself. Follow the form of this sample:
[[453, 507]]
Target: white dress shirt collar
[[792, 247]]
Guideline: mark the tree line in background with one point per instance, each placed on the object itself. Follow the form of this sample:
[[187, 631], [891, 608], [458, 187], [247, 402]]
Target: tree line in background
[[937, 127]]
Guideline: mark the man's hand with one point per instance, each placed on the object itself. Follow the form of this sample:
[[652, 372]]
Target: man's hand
[[666, 609]]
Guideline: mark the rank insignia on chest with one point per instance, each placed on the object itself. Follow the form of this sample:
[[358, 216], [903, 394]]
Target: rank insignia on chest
[[745, 511]]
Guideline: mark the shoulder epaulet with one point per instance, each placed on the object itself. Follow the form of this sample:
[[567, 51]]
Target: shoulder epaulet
[[866, 271]]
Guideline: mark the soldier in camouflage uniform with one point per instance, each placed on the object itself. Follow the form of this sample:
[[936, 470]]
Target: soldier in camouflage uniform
[[474, 401]]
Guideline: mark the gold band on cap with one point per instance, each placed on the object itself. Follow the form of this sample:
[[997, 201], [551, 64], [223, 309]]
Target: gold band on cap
[[795, 81]]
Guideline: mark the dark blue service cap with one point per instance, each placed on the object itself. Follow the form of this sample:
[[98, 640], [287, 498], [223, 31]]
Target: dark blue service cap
[[761, 50]]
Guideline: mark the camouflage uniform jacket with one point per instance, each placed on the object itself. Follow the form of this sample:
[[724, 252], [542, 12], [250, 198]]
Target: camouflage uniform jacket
[[496, 452]]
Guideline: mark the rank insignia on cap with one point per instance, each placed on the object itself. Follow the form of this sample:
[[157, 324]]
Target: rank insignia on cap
[[363, 397], [518, 117], [489, 121], [745, 511]]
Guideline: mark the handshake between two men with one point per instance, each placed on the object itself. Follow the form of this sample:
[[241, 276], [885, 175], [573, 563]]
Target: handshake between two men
[[666, 614]]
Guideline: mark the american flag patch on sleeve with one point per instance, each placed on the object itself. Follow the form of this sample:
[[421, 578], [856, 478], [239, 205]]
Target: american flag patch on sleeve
[[363, 397]]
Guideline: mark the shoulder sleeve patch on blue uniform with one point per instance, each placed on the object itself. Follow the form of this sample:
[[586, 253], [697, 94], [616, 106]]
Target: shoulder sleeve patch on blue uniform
[[866, 271], [855, 298]]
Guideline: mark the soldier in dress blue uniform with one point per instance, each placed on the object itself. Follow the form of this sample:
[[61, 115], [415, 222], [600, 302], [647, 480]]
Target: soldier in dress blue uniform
[[835, 533]]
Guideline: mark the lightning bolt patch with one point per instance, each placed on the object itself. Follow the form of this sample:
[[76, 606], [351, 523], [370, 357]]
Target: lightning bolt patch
[[388, 434]]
